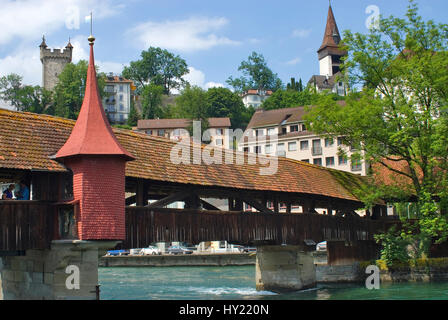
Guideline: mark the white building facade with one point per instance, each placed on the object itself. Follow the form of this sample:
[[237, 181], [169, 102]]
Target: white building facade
[[117, 101], [293, 140]]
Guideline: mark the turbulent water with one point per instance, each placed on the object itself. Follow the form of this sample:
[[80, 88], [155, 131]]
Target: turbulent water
[[238, 283]]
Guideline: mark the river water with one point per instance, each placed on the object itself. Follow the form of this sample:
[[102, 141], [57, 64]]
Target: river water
[[238, 283]]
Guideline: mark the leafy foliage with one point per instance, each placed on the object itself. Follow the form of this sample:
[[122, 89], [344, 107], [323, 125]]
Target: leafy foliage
[[69, 92], [399, 116], [256, 75], [158, 67]]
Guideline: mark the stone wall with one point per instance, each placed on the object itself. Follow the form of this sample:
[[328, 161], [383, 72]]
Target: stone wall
[[179, 260], [284, 268], [42, 274]]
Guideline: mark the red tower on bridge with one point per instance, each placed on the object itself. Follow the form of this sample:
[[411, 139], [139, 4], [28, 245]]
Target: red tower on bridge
[[98, 163]]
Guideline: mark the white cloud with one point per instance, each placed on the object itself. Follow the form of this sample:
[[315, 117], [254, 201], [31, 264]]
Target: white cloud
[[301, 33], [26, 63], [197, 78], [29, 19], [294, 61], [192, 34]]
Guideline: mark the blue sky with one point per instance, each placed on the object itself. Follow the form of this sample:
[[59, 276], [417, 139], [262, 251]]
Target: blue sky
[[212, 36]]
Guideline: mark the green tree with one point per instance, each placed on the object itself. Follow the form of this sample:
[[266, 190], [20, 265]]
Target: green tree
[[401, 112], [25, 98], [295, 86], [256, 75], [10, 86], [222, 102], [158, 67], [289, 99], [133, 116], [151, 101], [69, 92]]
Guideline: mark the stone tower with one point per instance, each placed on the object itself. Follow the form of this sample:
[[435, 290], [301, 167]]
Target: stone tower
[[329, 52], [53, 62]]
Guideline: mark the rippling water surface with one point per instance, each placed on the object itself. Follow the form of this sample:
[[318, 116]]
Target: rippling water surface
[[238, 283]]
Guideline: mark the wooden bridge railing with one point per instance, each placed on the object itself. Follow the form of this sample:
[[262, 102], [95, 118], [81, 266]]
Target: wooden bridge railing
[[26, 225], [145, 226]]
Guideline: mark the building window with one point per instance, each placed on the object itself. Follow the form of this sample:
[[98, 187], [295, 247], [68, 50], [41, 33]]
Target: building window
[[306, 160], [271, 131], [292, 146], [121, 117], [284, 131], [329, 142], [356, 165], [219, 132], [121, 107], [161, 133], [294, 128], [329, 161], [317, 148], [303, 127], [246, 149], [340, 141], [318, 161], [304, 145], [257, 149], [268, 149], [149, 132], [281, 150], [121, 88], [121, 97], [219, 142], [342, 160]]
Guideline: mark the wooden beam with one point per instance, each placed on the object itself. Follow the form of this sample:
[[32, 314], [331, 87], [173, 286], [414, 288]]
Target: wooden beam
[[208, 206], [254, 203], [130, 200], [179, 196]]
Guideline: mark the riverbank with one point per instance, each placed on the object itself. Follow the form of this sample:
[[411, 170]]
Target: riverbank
[[188, 260]]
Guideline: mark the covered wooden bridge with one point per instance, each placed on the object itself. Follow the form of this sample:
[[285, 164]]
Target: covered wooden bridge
[[282, 205]]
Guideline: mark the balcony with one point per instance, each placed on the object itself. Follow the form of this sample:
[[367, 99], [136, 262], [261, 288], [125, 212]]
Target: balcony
[[316, 151]]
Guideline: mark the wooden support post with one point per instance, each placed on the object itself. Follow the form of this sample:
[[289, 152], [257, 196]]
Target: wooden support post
[[238, 205], [276, 205], [193, 202], [141, 193]]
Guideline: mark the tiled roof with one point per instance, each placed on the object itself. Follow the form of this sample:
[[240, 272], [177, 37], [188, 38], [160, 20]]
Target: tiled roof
[[117, 79], [331, 32], [92, 134], [263, 118], [28, 140], [180, 123]]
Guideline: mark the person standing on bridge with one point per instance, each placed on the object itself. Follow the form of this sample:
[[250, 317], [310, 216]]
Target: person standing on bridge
[[7, 194], [24, 193]]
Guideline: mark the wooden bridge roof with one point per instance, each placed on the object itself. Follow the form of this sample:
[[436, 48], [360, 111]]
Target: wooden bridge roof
[[27, 142]]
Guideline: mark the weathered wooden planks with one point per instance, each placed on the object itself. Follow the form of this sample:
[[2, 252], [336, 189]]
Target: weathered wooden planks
[[145, 226], [25, 225]]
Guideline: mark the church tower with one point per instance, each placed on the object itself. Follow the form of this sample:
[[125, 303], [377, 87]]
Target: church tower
[[53, 62], [329, 52]]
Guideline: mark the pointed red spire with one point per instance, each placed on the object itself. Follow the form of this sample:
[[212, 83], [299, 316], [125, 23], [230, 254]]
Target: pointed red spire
[[332, 36], [92, 133]]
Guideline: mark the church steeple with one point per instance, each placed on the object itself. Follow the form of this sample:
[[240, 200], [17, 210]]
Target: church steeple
[[329, 52]]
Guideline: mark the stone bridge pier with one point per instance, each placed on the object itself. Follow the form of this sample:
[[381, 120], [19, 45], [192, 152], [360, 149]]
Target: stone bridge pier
[[284, 269], [67, 271]]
